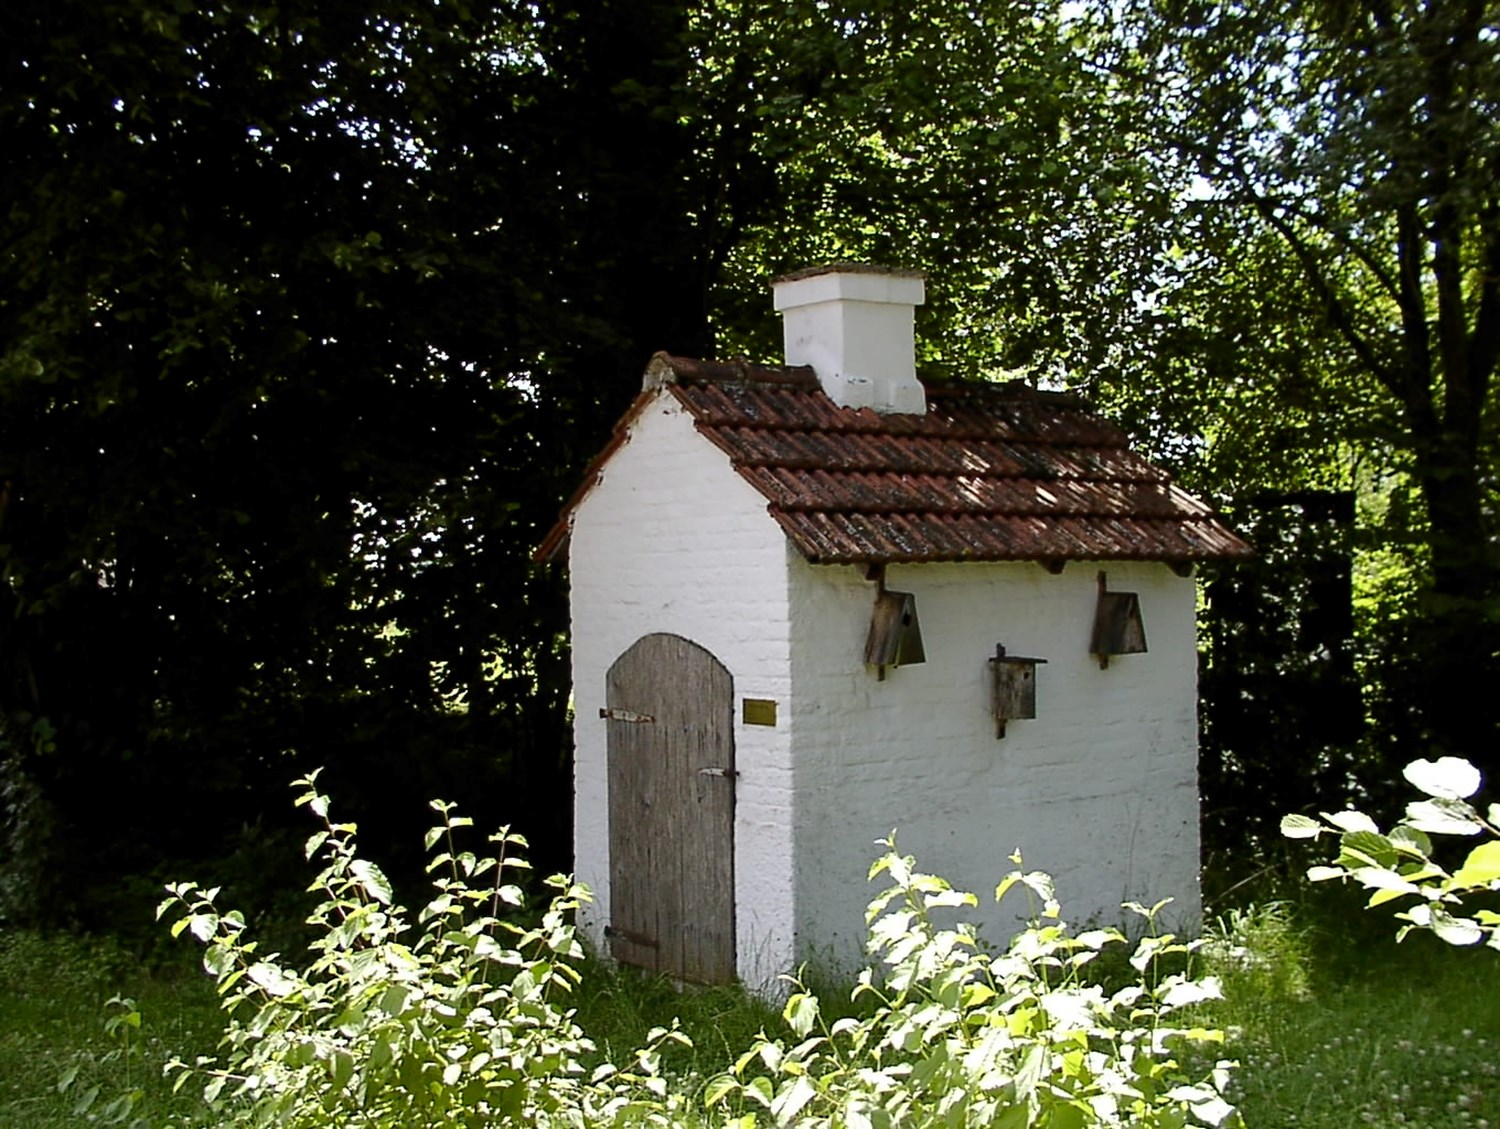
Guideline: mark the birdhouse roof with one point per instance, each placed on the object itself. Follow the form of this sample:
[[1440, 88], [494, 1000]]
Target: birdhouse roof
[[991, 472]]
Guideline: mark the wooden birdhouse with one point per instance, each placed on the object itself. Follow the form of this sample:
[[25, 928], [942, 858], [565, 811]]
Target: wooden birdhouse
[[895, 633], [1015, 687], [756, 700], [1118, 628]]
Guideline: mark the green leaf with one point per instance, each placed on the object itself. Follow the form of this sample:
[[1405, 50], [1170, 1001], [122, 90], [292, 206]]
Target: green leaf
[[1443, 817], [1066, 1115], [341, 1067], [760, 1090], [84, 1100], [1481, 868], [1409, 841], [1300, 827], [719, 1087], [371, 880], [1014, 1117], [1366, 848]]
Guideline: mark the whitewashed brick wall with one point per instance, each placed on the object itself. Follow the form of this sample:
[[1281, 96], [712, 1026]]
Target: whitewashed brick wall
[[1100, 789], [673, 540]]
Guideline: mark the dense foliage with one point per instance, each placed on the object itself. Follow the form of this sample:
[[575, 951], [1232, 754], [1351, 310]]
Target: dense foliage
[[462, 1017], [311, 313], [1347, 212], [957, 1035]]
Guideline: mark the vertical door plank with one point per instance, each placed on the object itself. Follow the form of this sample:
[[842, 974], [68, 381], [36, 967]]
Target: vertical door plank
[[672, 824]]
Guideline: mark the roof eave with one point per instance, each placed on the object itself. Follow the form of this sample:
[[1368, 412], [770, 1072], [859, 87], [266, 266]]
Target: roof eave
[[556, 542]]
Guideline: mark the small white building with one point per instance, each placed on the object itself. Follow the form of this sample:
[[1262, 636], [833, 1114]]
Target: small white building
[[807, 601]]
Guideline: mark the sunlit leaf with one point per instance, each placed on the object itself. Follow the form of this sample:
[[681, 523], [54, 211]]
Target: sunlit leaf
[[1349, 820], [372, 880], [1481, 868], [1455, 930], [1443, 817], [271, 979], [1447, 778], [1300, 827]]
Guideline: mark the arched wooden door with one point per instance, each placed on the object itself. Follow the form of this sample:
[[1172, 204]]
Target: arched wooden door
[[670, 716]]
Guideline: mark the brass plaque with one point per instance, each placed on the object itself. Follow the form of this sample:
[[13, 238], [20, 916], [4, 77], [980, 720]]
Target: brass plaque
[[759, 711]]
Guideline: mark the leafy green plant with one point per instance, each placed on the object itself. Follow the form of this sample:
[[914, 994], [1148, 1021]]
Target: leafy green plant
[[123, 1019], [459, 1018], [960, 1037], [1401, 864], [456, 1021]]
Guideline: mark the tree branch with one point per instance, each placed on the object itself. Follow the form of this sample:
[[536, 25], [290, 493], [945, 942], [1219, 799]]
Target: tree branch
[[1338, 312], [1411, 301]]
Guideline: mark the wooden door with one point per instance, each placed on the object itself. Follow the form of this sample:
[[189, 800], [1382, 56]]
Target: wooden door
[[670, 716]]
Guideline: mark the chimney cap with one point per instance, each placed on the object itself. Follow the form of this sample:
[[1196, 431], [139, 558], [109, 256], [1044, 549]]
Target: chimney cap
[[849, 282], [848, 268]]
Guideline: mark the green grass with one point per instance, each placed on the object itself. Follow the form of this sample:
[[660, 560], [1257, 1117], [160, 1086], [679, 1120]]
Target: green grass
[[1337, 1027], [1384, 1034], [53, 1005], [1414, 1046]]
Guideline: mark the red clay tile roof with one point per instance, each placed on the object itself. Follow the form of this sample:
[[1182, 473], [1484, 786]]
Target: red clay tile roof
[[992, 472]]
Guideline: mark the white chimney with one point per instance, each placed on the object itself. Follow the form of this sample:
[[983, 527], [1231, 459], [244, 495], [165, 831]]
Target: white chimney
[[853, 325]]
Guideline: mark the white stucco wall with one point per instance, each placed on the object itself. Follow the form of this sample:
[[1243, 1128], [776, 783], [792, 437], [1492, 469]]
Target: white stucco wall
[[673, 540], [1100, 789]]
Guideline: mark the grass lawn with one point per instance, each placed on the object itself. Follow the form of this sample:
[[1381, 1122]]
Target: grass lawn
[[1385, 1035], [1389, 1034], [53, 995]]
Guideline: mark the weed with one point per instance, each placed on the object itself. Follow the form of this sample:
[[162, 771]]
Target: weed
[[1259, 953]]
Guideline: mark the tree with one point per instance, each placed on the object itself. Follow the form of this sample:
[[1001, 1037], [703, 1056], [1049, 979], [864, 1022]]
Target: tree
[[310, 319], [1340, 275], [977, 142], [302, 312]]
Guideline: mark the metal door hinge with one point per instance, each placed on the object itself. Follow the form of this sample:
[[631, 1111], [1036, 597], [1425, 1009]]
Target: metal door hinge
[[626, 715], [634, 938]]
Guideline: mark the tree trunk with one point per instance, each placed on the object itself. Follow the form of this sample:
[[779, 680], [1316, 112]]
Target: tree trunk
[[1461, 637]]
